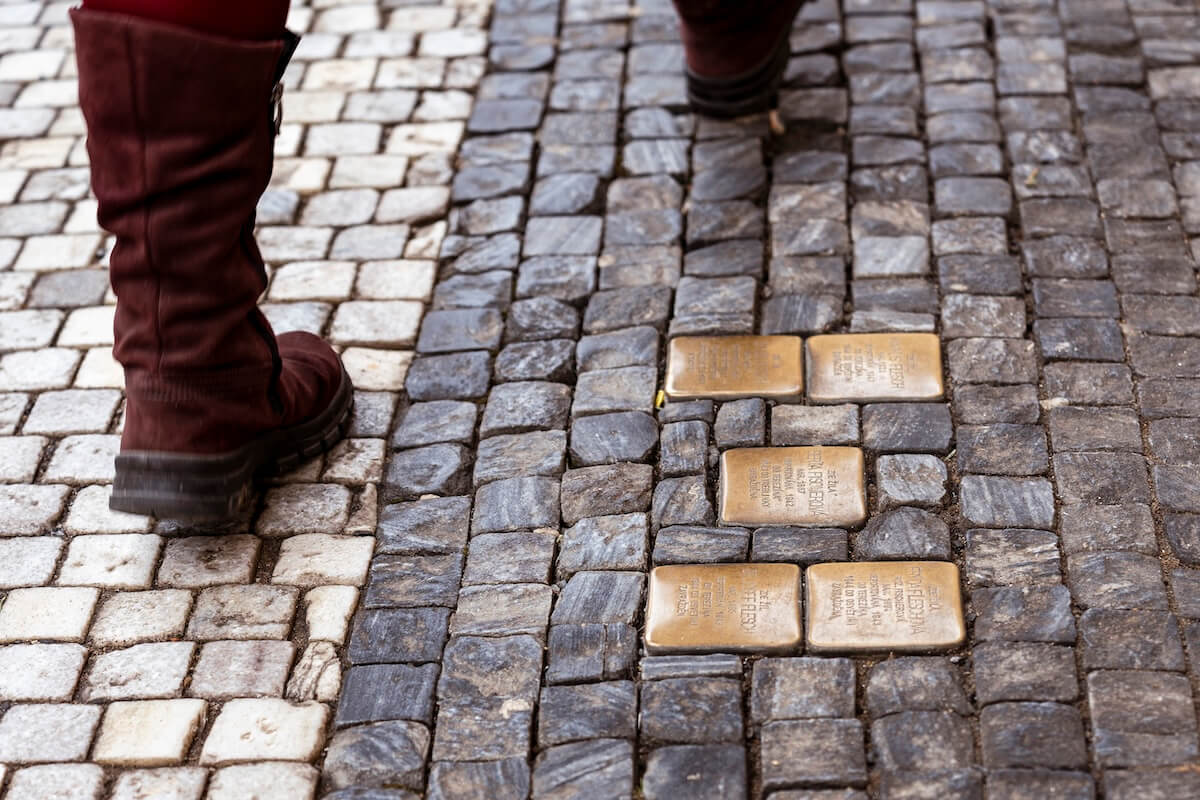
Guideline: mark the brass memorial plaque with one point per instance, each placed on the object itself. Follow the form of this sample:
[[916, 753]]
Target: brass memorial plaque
[[729, 367], [723, 608], [871, 367], [818, 487], [884, 605]]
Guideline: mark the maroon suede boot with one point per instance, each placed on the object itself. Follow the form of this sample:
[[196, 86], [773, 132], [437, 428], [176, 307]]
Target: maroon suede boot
[[737, 51], [181, 127]]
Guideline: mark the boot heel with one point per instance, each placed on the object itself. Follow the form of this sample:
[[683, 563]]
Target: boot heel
[[192, 488]]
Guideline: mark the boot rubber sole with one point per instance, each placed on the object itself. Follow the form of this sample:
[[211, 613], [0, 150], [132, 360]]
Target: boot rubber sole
[[753, 91], [197, 488]]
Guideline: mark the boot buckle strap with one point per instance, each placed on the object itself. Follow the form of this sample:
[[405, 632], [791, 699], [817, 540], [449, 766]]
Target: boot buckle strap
[[276, 108]]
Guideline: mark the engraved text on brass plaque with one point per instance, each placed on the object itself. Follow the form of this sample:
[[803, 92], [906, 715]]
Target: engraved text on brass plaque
[[818, 487], [728, 367], [884, 605], [722, 608], [866, 367]]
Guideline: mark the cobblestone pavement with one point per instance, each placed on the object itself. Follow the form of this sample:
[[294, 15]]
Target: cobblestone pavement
[[1020, 176]]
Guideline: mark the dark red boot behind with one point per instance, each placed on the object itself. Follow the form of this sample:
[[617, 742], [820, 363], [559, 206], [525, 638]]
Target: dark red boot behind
[[736, 53]]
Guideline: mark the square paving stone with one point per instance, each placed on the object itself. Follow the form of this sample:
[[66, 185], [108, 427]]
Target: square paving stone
[[795, 425], [1082, 339], [540, 318], [703, 772], [152, 733], [434, 469], [58, 732], [907, 427], [552, 360], [681, 501], [450, 377], [387, 692], [1002, 361], [626, 308], [620, 389], [604, 490], [435, 525], [922, 741], [915, 683], [821, 752], [501, 610], [1003, 502], [801, 688], [590, 652], [413, 581], [462, 329], [1024, 671], [486, 696], [241, 669], [910, 479], [903, 533], [598, 543], [741, 423], [1116, 580], [1075, 428], [1012, 557], [506, 779], [637, 346], [398, 634], [435, 422], [600, 597], [1045, 735], [1141, 718], [521, 454], [519, 557], [1130, 640], [1087, 383], [392, 753], [613, 438], [691, 711], [1002, 449], [683, 448], [1023, 614], [599, 768], [1101, 478], [588, 711], [1149, 783], [516, 504]]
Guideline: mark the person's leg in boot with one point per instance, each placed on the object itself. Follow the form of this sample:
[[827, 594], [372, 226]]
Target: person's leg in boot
[[181, 125], [737, 51]]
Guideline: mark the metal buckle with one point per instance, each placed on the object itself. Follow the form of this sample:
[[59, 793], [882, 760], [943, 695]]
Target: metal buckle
[[277, 107]]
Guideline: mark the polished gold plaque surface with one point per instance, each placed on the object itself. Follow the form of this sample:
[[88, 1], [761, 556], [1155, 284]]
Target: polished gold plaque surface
[[913, 606], [817, 487], [869, 367], [728, 367], [723, 608]]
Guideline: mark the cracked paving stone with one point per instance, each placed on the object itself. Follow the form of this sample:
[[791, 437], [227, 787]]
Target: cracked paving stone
[[590, 652], [1139, 718]]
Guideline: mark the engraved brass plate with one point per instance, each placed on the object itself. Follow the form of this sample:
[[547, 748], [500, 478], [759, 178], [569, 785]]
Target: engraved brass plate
[[909, 606], [729, 367], [818, 487], [723, 608], [870, 367]]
